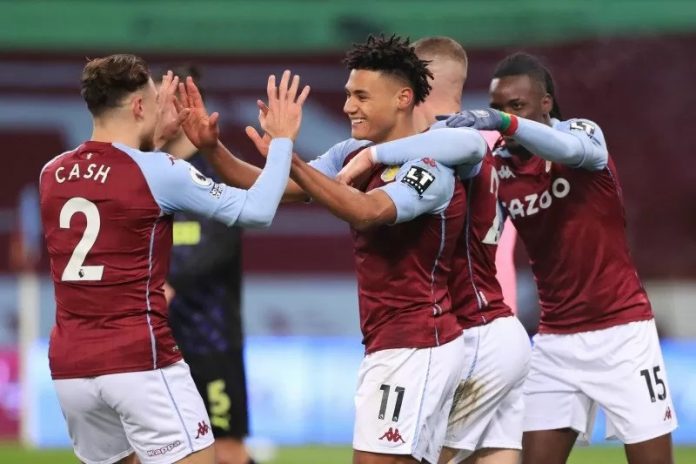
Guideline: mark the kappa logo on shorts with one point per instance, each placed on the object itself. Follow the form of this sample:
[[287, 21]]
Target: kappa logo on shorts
[[668, 414], [392, 435], [203, 429], [163, 450]]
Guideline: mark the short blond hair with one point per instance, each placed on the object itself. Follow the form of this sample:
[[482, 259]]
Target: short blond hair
[[441, 46]]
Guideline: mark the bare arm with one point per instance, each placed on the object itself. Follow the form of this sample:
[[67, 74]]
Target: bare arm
[[360, 210]]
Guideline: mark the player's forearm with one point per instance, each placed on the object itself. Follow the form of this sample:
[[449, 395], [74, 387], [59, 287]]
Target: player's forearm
[[449, 146], [263, 197], [238, 173], [351, 205]]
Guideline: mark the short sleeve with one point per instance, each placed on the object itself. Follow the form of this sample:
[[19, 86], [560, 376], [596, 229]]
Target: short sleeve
[[331, 162], [421, 187]]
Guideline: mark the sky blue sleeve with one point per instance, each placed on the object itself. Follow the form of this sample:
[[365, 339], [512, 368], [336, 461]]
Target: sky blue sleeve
[[177, 186], [420, 187], [331, 162], [578, 143], [449, 146]]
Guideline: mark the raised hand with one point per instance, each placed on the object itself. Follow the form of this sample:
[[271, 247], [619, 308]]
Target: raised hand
[[169, 117], [284, 114], [357, 168], [200, 127]]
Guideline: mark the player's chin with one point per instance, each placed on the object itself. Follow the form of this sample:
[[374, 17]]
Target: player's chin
[[359, 131]]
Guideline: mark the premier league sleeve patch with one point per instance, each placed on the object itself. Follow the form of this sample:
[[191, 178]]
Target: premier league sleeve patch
[[582, 125], [419, 179], [198, 178]]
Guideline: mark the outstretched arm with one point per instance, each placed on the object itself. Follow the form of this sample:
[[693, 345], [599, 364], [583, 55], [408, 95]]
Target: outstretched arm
[[452, 147], [203, 131], [578, 143]]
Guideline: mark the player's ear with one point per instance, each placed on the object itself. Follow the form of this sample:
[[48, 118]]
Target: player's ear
[[547, 104], [405, 97], [137, 106]]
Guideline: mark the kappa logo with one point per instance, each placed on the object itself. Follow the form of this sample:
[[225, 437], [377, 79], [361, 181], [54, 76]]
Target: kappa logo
[[203, 429], [668, 414], [430, 162], [392, 435], [163, 450], [505, 173]]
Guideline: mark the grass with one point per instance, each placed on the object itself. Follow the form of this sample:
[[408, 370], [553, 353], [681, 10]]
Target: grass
[[14, 454]]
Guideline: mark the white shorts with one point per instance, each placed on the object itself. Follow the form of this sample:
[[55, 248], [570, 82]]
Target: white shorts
[[159, 414], [400, 400], [619, 369], [489, 408]]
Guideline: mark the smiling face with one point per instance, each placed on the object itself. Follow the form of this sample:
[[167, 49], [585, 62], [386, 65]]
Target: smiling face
[[522, 96], [374, 103]]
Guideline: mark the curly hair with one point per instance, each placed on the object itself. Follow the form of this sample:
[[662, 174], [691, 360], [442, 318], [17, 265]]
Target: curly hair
[[105, 81], [394, 56], [519, 64]]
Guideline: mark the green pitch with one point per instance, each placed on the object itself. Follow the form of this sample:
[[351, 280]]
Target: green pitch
[[13, 454]]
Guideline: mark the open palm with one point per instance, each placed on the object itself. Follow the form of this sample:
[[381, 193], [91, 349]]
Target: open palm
[[201, 128]]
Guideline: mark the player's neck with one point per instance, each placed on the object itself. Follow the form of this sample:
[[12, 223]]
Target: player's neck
[[115, 132], [181, 148], [425, 113], [404, 127]]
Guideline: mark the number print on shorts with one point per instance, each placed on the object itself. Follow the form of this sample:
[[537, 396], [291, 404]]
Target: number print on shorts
[[658, 382], [400, 391], [219, 404], [75, 269]]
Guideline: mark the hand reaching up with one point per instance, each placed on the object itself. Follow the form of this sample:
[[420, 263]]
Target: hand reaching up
[[200, 127], [284, 114]]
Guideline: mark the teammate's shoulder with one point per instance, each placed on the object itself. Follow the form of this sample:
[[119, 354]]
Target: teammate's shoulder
[[350, 145]]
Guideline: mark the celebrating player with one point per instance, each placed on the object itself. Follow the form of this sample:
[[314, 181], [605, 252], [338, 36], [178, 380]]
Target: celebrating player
[[597, 342], [107, 208], [485, 423], [405, 222]]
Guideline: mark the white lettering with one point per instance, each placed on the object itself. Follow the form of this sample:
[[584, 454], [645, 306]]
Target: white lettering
[[560, 188], [90, 171], [103, 172], [516, 208], [74, 172], [545, 200], [531, 202], [100, 176], [495, 182]]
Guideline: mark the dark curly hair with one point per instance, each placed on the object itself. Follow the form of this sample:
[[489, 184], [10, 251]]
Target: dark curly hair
[[105, 81], [519, 64], [394, 56]]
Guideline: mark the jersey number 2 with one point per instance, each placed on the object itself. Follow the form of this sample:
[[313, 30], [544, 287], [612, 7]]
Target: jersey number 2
[[75, 271]]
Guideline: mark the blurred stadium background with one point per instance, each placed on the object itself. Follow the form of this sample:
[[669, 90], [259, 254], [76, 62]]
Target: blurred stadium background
[[629, 65]]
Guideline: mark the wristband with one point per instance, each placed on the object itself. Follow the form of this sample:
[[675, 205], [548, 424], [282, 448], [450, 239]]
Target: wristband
[[508, 123]]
